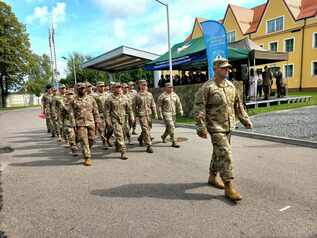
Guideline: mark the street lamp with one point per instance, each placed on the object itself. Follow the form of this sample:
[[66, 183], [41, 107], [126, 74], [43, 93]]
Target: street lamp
[[74, 70], [169, 40]]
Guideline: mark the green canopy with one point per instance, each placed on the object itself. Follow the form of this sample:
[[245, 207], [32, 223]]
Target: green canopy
[[195, 51]]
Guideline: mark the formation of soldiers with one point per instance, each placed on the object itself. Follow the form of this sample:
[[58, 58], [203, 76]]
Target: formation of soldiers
[[76, 115]]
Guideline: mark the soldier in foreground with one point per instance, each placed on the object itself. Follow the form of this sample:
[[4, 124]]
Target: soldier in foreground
[[47, 97], [117, 107], [168, 105], [87, 119], [144, 106], [216, 105]]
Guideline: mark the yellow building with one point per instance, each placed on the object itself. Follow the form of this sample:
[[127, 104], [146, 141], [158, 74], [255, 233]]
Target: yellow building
[[278, 25]]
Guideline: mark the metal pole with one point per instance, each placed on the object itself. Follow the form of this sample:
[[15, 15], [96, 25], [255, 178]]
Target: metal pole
[[74, 70], [169, 45]]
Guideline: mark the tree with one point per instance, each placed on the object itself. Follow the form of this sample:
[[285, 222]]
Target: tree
[[39, 74], [15, 52], [82, 75]]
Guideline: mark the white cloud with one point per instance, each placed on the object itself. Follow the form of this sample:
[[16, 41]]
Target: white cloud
[[43, 15], [122, 8], [119, 28]]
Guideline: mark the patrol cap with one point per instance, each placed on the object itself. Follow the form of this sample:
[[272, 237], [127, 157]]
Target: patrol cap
[[221, 62], [81, 85], [142, 82], [88, 84], [100, 84], [131, 83], [62, 86], [124, 85], [168, 85], [116, 85]]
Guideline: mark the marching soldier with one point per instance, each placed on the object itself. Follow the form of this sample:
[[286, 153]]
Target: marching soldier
[[132, 93], [168, 105], [47, 97], [117, 107], [128, 125], [144, 106], [87, 119], [57, 102], [68, 122], [100, 98], [216, 105]]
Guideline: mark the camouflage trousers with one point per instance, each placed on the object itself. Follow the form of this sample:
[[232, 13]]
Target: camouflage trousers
[[119, 133], [86, 136], [127, 127], [70, 135], [102, 130], [48, 123], [146, 125], [169, 122], [221, 160]]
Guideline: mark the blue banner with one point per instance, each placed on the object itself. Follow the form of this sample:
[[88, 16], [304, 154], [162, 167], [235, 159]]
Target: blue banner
[[216, 43]]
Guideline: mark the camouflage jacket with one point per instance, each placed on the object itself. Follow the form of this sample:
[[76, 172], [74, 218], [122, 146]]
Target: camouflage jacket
[[57, 102], [144, 105], [169, 105], [85, 111], [67, 114], [216, 107], [101, 100], [117, 107], [46, 100]]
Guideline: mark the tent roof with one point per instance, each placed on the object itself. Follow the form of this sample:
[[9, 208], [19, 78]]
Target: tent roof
[[122, 58]]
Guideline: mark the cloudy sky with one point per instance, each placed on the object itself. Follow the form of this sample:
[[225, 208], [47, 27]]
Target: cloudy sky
[[93, 27]]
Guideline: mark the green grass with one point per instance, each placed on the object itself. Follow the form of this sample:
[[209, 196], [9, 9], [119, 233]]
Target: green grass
[[273, 108], [18, 107]]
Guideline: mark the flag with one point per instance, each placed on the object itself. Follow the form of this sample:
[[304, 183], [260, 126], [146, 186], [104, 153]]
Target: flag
[[216, 43]]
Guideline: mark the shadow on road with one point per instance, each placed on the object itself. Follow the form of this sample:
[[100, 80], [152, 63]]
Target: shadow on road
[[176, 191]]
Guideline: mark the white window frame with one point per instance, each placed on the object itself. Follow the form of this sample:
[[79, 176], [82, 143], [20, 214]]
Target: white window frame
[[312, 68], [285, 71], [234, 36], [290, 38], [269, 45], [314, 42], [266, 25]]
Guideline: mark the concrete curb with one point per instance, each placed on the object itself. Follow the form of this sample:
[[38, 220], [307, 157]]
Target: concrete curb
[[253, 135]]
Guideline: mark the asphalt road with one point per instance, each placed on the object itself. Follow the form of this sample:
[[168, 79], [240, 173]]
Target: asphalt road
[[48, 193]]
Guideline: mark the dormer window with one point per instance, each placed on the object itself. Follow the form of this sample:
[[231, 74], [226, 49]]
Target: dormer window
[[275, 25]]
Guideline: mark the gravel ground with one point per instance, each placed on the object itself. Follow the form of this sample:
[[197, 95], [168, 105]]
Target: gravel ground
[[297, 123]]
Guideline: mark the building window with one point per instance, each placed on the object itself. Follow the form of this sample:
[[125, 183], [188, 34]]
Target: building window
[[289, 45], [231, 36], [275, 25], [314, 68], [289, 70], [315, 40], [273, 46]]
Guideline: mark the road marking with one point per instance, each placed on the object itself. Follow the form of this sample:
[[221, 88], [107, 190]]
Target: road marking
[[284, 208]]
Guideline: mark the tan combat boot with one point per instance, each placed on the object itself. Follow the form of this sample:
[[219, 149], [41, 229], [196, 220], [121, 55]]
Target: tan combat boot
[[149, 149], [88, 162], [163, 139], [175, 145], [231, 193], [124, 156], [213, 181]]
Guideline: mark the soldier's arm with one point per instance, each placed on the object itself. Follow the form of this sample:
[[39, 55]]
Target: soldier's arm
[[54, 112], [129, 112], [200, 110], [95, 112], [107, 112], [240, 112], [179, 106]]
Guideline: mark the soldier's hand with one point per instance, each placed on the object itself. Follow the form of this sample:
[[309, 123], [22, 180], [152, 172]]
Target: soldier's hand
[[97, 125], [249, 125], [203, 134]]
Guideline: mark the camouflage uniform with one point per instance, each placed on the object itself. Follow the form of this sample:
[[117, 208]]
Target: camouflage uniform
[[168, 105], [144, 106], [68, 121], [46, 99], [215, 110], [86, 114], [57, 102], [117, 107], [128, 123]]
